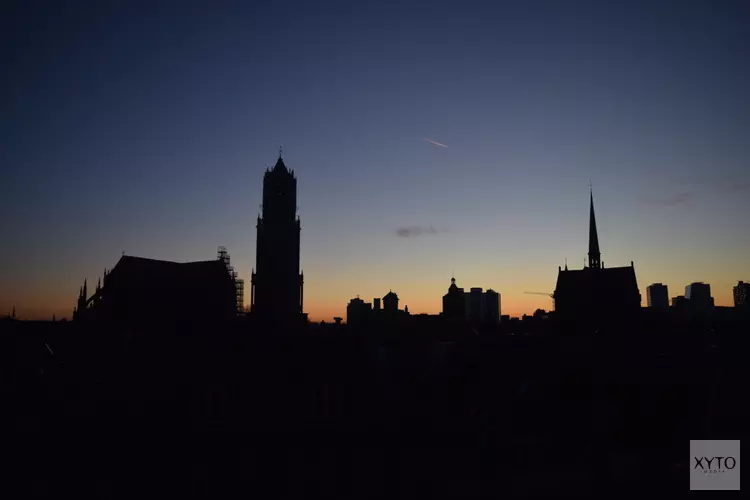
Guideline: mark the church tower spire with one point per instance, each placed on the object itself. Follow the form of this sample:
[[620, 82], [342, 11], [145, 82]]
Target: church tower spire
[[277, 283], [594, 255]]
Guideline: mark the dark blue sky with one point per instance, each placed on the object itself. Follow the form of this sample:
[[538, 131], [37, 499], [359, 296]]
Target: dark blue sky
[[146, 127]]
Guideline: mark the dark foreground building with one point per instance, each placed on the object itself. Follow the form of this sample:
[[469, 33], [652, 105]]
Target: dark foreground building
[[140, 291], [595, 293]]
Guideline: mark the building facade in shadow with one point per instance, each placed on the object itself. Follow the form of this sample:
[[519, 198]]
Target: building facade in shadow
[[276, 294], [595, 293], [140, 292]]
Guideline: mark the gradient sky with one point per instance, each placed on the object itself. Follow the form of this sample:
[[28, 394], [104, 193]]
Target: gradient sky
[[145, 127]]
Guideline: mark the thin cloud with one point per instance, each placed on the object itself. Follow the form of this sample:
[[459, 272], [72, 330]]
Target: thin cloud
[[680, 199], [436, 143], [413, 231], [736, 187], [727, 185]]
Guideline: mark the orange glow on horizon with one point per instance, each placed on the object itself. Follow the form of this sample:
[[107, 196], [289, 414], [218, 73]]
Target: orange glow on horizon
[[514, 304]]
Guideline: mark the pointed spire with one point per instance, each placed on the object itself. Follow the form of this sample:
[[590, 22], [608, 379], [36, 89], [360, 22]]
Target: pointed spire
[[98, 285], [280, 167], [13, 314], [594, 255], [85, 291], [280, 151], [566, 263]]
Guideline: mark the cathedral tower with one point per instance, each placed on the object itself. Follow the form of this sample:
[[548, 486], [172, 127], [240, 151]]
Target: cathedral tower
[[276, 282]]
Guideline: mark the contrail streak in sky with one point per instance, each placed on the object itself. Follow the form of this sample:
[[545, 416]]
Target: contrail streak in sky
[[436, 143]]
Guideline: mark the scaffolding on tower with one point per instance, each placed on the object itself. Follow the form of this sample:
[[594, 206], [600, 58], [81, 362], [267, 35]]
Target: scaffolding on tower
[[239, 284]]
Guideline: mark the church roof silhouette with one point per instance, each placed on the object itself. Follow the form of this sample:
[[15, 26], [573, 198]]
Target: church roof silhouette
[[596, 289]]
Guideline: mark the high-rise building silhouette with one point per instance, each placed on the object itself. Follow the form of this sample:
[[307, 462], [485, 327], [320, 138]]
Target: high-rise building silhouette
[[741, 294], [474, 306], [491, 307], [595, 292], [358, 312], [657, 296], [276, 293], [699, 296]]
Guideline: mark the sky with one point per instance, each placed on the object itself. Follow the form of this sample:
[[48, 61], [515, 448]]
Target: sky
[[428, 139]]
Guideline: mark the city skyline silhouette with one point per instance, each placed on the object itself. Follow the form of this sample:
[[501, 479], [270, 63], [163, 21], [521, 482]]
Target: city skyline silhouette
[[725, 296], [147, 129], [595, 293], [500, 251]]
